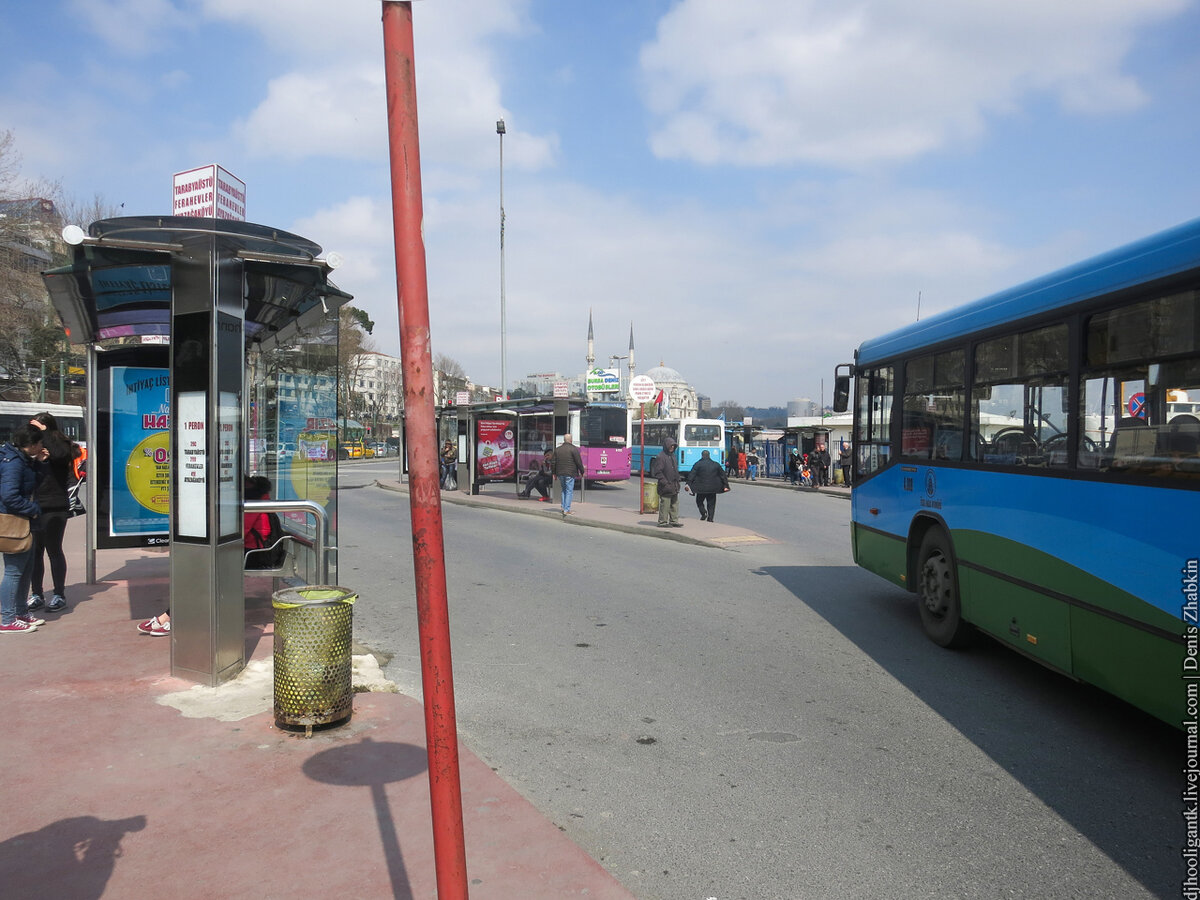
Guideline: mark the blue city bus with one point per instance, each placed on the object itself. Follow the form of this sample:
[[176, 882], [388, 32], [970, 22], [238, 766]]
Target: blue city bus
[[692, 435], [1029, 464]]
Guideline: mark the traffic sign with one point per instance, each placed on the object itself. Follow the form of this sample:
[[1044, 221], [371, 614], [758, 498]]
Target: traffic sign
[[641, 388], [1137, 405]]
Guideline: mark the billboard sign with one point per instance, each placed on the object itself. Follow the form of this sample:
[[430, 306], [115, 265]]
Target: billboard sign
[[642, 389], [603, 381], [139, 491], [209, 191], [495, 449]]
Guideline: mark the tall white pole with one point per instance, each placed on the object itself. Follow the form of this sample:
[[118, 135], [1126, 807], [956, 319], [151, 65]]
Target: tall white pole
[[503, 319]]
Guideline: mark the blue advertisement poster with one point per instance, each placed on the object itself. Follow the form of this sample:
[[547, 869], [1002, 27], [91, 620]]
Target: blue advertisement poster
[[140, 491]]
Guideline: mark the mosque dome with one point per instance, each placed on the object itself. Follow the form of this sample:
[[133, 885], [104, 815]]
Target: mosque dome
[[665, 375]]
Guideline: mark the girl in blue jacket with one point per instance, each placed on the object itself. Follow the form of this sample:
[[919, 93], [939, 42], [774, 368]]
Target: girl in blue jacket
[[19, 476]]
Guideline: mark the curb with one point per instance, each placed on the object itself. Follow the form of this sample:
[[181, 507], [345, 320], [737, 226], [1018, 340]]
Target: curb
[[662, 535]]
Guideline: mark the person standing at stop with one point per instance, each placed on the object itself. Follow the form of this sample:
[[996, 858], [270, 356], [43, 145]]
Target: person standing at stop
[[567, 465], [666, 470]]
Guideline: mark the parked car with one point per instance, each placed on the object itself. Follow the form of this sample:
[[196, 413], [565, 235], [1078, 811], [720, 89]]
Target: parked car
[[381, 449]]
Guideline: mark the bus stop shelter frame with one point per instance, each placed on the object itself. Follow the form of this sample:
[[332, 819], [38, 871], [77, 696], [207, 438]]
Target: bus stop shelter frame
[[212, 288]]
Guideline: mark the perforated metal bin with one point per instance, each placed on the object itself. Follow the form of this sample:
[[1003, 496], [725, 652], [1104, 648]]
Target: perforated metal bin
[[313, 632]]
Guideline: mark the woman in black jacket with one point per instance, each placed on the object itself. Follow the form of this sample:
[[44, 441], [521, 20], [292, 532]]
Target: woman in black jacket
[[59, 475]]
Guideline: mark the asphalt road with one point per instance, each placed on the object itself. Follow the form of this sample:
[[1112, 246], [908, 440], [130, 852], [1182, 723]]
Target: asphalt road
[[768, 722]]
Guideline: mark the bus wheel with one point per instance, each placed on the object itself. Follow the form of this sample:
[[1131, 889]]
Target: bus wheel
[[937, 592]]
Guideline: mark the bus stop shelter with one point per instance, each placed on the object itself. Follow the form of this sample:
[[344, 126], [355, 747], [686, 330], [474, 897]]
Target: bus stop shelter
[[188, 322]]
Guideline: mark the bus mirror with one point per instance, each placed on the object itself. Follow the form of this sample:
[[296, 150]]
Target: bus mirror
[[841, 390]]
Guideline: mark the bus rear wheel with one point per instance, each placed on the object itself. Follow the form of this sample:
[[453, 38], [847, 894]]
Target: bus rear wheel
[[937, 593]]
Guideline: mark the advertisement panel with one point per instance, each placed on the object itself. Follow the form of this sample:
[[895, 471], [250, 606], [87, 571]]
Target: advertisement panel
[[603, 381], [208, 191], [495, 448], [140, 475]]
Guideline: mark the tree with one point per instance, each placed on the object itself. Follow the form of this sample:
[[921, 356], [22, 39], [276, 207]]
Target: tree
[[733, 411], [29, 243], [450, 378], [353, 342], [32, 213], [448, 365]]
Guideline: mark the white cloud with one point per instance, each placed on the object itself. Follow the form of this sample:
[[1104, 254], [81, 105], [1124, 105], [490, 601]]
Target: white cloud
[[765, 82], [132, 27], [341, 99], [336, 112]]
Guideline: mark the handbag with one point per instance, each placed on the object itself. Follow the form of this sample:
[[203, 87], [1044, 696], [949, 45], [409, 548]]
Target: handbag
[[15, 536], [75, 505]]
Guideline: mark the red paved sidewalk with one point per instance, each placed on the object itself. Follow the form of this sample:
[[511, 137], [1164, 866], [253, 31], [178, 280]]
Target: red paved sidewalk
[[110, 793]]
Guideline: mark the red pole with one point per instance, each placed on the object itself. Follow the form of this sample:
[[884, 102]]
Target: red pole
[[429, 558]]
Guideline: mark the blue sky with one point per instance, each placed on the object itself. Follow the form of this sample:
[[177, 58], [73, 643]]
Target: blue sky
[[757, 186]]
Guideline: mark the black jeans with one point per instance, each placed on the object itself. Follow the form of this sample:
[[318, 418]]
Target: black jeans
[[540, 483], [706, 499], [50, 540]]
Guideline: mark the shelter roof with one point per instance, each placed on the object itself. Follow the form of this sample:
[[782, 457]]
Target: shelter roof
[[119, 283]]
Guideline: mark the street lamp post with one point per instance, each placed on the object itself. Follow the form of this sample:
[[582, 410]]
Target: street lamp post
[[612, 361], [503, 350]]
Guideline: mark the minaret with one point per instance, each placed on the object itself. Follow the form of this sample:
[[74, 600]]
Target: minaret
[[591, 354], [630, 351]]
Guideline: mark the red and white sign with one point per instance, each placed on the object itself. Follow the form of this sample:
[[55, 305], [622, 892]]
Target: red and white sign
[[461, 398], [641, 388], [1137, 405], [209, 191], [562, 389]]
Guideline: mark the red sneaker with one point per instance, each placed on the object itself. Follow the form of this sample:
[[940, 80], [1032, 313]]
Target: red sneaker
[[16, 626], [154, 627], [31, 620]]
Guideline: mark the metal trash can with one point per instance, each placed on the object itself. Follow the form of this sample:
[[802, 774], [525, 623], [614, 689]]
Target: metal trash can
[[313, 632], [649, 496]]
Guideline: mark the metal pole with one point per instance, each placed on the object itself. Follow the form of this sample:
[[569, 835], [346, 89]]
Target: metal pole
[[642, 459], [503, 318], [429, 563]]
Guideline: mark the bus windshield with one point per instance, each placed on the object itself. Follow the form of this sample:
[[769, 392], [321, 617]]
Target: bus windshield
[[603, 426]]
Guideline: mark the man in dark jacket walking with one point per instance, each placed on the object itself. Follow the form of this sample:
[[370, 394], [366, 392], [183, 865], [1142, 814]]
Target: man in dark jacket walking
[[567, 465], [706, 480], [666, 470]]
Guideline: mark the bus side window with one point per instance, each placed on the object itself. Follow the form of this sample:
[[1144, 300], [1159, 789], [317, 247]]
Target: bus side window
[[934, 394]]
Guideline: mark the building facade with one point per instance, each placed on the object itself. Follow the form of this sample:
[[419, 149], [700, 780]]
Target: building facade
[[377, 389]]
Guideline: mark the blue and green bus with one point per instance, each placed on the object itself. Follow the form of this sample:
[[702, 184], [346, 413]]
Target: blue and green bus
[[1029, 466]]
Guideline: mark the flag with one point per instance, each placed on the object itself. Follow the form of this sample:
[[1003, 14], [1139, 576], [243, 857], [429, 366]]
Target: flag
[[721, 417]]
